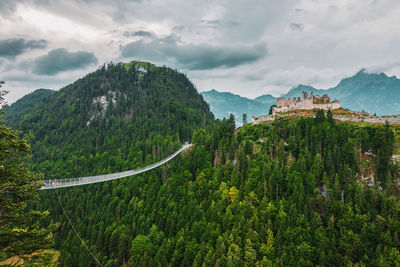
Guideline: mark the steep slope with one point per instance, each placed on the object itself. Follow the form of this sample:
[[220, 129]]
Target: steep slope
[[297, 91], [22, 105], [120, 117], [263, 195], [374, 93], [224, 104], [112, 108], [266, 99], [283, 194]]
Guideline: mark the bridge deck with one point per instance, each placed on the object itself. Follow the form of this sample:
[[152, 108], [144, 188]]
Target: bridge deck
[[60, 183]]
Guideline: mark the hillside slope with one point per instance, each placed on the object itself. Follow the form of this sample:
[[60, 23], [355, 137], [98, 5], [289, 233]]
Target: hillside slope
[[25, 103], [120, 117], [266, 99], [291, 193], [129, 103]]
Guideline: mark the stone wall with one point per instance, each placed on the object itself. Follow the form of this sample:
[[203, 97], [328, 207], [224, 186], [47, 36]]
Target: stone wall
[[308, 102], [306, 105], [263, 118], [371, 119], [395, 119]]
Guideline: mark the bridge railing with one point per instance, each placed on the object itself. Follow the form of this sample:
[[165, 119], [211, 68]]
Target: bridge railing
[[68, 182]]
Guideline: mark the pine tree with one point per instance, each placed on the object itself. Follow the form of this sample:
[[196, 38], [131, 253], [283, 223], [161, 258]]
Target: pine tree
[[19, 233], [244, 118]]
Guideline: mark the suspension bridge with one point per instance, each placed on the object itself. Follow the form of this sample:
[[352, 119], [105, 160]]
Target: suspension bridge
[[60, 183]]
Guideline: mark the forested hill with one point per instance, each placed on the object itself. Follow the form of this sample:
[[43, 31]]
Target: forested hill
[[116, 107], [295, 192], [283, 194], [24, 104]]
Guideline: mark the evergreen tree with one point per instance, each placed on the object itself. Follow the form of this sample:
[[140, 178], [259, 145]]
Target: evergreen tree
[[20, 235], [244, 118]]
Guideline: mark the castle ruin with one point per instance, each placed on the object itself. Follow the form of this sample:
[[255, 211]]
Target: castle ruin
[[308, 102]]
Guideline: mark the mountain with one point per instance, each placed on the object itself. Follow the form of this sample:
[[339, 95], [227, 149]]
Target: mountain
[[120, 117], [266, 99], [135, 101], [293, 193], [22, 105], [297, 91], [119, 108], [371, 92], [223, 104]]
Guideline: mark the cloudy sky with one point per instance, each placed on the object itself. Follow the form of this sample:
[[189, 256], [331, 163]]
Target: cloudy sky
[[247, 47]]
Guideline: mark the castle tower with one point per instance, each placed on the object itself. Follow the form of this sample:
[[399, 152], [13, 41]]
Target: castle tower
[[305, 95]]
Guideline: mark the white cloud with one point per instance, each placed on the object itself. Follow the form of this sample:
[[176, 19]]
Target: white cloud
[[308, 41]]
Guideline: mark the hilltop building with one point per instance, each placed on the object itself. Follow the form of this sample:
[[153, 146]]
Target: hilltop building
[[308, 102], [322, 102]]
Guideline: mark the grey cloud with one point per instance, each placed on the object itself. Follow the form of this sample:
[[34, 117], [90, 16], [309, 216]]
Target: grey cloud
[[296, 26], [110, 2], [194, 56], [218, 23], [254, 77], [383, 67], [10, 48], [178, 28], [138, 34], [211, 23], [250, 19], [7, 7], [60, 60]]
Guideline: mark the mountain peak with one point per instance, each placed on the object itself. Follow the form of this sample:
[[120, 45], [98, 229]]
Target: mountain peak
[[139, 65], [363, 71], [296, 91]]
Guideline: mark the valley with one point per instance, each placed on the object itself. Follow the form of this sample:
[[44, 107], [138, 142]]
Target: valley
[[297, 190], [199, 133]]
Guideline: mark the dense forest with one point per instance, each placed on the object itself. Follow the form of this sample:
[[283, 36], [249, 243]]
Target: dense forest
[[25, 103], [105, 119], [288, 193], [248, 198]]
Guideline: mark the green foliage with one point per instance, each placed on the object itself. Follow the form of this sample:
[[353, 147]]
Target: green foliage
[[141, 245], [247, 198], [24, 104], [75, 131], [271, 108], [282, 194], [19, 234]]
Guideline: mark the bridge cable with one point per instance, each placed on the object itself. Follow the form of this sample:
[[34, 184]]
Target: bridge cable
[[73, 228]]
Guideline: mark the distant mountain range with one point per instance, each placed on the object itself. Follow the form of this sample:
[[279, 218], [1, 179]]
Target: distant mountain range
[[371, 92], [222, 104]]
